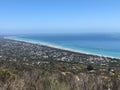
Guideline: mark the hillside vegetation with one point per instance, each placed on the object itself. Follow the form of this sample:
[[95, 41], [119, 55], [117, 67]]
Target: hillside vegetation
[[55, 76]]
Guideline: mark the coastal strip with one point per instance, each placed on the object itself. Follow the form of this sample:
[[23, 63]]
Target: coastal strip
[[57, 47], [17, 50]]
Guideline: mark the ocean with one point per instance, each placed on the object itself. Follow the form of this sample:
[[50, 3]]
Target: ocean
[[99, 44]]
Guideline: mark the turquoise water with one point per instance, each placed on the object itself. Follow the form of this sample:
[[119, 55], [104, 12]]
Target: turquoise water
[[102, 44]]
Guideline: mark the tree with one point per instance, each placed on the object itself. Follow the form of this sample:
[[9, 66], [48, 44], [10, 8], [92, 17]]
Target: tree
[[89, 67]]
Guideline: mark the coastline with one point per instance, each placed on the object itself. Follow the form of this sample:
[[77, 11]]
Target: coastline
[[57, 47]]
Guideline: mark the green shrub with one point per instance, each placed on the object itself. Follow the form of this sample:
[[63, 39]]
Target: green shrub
[[6, 75]]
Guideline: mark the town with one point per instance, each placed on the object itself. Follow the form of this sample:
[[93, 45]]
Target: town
[[36, 53]]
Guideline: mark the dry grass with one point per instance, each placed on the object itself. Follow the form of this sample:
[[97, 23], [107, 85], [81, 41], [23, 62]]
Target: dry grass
[[25, 77]]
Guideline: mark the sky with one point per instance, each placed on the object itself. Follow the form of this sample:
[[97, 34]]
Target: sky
[[59, 16]]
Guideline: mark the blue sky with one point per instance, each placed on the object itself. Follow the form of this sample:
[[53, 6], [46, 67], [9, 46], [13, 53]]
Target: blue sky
[[59, 16]]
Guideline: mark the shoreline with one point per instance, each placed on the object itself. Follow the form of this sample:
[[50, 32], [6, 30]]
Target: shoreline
[[58, 47]]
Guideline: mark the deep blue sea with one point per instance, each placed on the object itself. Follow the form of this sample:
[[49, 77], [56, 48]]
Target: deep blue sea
[[103, 44]]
